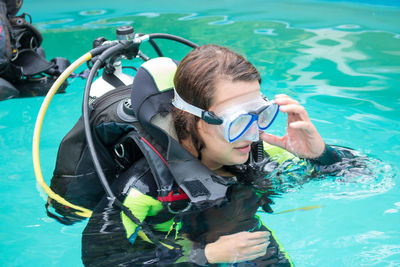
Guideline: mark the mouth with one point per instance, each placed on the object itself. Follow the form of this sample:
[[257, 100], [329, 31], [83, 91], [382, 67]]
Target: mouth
[[243, 148]]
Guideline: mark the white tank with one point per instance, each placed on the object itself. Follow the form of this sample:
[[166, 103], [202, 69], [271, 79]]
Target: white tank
[[100, 86]]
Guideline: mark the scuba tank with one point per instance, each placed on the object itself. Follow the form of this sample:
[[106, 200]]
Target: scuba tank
[[112, 76], [105, 84]]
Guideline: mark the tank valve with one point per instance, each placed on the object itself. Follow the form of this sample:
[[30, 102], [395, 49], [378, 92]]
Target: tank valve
[[125, 32]]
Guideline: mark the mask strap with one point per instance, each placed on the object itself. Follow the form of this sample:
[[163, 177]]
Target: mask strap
[[208, 116]]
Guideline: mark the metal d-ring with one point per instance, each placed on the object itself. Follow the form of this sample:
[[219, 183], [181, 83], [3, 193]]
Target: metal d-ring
[[176, 212], [120, 154]]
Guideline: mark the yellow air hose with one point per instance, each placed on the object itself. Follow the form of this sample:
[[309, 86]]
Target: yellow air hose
[[36, 137]]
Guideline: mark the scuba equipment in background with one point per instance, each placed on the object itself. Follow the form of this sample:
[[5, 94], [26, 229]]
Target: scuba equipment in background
[[13, 6], [104, 55], [24, 70]]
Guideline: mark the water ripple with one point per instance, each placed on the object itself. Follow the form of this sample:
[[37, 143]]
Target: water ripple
[[224, 21], [380, 254], [265, 31], [338, 51], [149, 14], [92, 12], [362, 186]]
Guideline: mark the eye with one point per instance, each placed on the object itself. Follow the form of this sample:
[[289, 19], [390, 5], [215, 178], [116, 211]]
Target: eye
[[239, 125], [266, 116]]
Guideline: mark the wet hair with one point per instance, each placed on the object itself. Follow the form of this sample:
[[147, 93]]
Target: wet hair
[[195, 80]]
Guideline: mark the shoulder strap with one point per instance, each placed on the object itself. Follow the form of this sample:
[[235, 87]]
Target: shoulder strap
[[154, 155], [152, 95]]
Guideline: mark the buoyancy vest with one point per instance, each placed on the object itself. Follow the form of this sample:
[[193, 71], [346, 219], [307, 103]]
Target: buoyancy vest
[[74, 177]]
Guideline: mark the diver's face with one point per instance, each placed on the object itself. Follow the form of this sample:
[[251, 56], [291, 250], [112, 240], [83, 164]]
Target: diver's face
[[218, 151]]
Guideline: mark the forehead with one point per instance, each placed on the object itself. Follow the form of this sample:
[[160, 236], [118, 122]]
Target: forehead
[[228, 93]]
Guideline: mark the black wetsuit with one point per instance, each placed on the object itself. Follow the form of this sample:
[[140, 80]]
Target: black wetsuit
[[105, 241], [110, 239]]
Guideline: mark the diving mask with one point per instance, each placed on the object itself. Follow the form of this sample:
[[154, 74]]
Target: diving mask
[[242, 121]]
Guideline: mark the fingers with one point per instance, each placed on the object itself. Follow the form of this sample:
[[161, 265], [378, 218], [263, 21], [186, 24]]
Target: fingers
[[301, 138], [251, 243], [284, 99], [257, 238], [259, 250], [291, 107], [273, 139], [253, 253], [295, 111], [259, 235], [255, 245], [238, 247], [251, 236], [301, 125]]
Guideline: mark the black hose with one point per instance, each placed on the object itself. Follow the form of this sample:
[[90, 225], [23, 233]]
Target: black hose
[[100, 49], [154, 45], [88, 132], [156, 48], [173, 38]]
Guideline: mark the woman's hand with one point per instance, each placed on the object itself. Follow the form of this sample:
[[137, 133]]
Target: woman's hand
[[301, 138], [242, 246]]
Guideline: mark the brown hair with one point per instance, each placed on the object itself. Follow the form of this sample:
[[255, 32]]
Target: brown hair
[[195, 80]]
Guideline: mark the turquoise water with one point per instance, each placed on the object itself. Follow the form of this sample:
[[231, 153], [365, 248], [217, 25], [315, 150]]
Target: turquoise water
[[340, 59]]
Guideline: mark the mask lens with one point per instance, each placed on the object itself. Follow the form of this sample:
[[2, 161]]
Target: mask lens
[[238, 126], [267, 115]]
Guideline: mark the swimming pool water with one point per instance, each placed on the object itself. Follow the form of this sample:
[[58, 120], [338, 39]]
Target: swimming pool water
[[340, 59]]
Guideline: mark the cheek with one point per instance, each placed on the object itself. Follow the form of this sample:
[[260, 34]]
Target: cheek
[[218, 148], [214, 135], [214, 140]]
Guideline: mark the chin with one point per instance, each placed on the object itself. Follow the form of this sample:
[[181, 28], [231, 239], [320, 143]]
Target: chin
[[240, 159]]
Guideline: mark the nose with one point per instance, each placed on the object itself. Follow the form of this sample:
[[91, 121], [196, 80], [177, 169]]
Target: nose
[[253, 129], [252, 133]]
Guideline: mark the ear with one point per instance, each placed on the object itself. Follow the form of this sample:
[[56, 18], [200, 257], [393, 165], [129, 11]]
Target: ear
[[202, 127]]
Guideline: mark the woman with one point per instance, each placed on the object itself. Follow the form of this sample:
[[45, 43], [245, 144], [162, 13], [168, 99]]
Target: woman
[[219, 115]]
